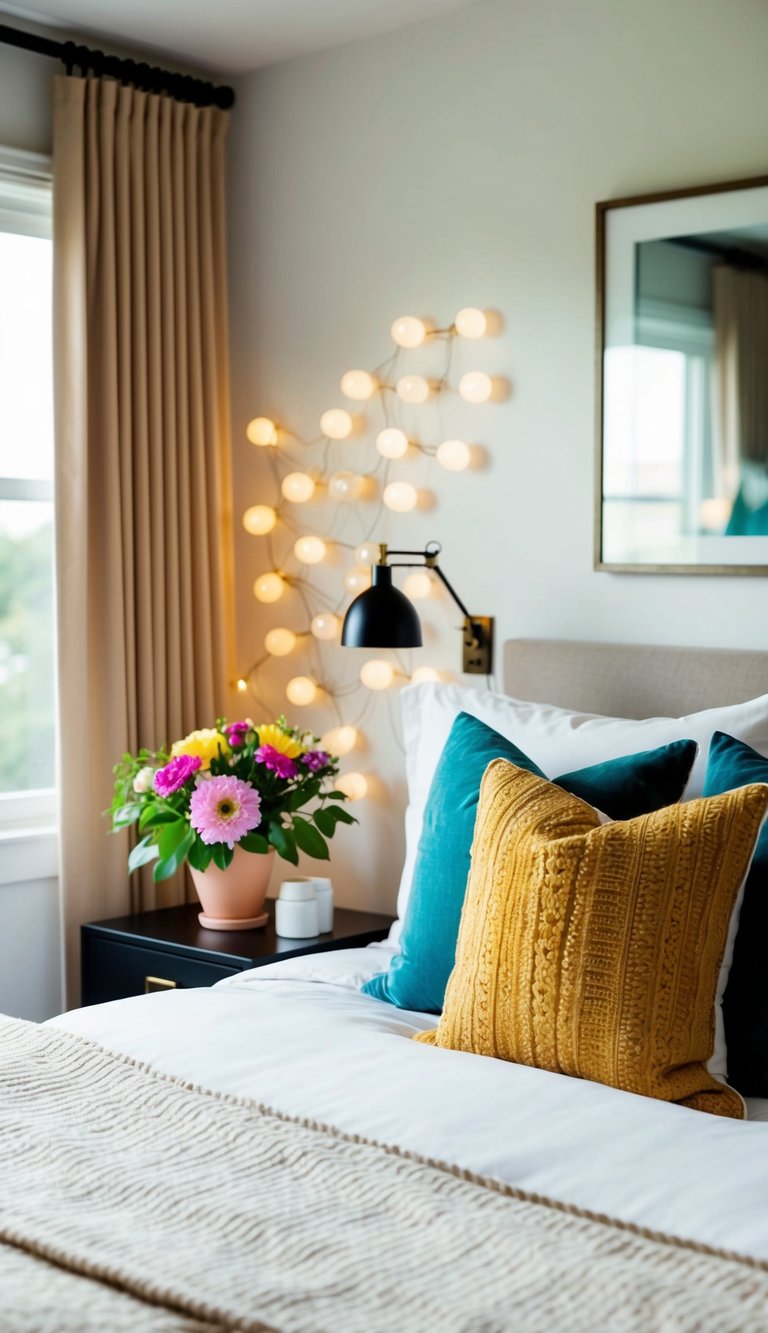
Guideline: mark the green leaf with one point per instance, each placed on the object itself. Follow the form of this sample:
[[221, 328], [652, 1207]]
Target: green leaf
[[284, 843], [152, 815], [309, 840], [144, 851], [168, 865], [325, 821], [126, 814], [169, 836], [222, 855], [253, 842], [199, 855], [341, 816]]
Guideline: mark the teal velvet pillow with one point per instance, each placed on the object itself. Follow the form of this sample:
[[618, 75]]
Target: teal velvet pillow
[[731, 764], [620, 788]]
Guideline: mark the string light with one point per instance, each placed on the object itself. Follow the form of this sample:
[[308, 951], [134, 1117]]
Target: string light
[[242, 685], [340, 740], [269, 587], [453, 455], [358, 385], [326, 626], [376, 674], [417, 585], [259, 520], [357, 580], [298, 487], [475, 386], [310, 550], [262, 431], [471, 322], [392, 443], [400, 496], [408, 331], [412, 389], [336, 423], [367, 553], [301, 691], [345, 485], [280, 642], [353, 785], [421, 674]]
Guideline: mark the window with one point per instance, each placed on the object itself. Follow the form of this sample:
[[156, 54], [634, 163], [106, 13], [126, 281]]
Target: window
[[27, 680]]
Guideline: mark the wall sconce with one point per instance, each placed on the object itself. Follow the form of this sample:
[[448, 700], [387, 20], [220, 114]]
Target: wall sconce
[[383, 617]]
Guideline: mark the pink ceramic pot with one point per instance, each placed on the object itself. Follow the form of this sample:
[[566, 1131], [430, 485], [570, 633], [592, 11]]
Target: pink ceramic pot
[[233, 899]]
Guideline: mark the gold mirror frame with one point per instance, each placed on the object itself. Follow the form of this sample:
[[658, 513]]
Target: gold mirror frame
[[602, 211]]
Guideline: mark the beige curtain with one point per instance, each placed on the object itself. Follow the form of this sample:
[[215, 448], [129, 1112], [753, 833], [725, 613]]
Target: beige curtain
[[142, 469], [740, 305]]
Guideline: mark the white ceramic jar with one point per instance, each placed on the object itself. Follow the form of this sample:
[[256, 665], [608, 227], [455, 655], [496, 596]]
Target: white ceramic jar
[[324, 896], [296, 914]]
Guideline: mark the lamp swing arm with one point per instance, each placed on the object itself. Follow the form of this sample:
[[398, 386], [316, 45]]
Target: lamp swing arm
[[429, 557]]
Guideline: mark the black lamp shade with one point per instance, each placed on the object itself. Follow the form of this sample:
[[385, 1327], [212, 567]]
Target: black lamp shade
[[381, 617]]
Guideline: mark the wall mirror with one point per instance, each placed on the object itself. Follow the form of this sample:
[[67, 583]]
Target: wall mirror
[[682, 392]]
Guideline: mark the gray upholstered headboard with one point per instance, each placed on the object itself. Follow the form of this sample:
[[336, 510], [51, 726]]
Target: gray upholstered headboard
[[628, 680]]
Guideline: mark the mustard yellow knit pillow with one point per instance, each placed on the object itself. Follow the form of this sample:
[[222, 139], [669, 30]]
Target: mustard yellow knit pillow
[[594, 949]]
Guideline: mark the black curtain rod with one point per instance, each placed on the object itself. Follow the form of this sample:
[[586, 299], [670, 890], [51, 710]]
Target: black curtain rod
[[148, 78]]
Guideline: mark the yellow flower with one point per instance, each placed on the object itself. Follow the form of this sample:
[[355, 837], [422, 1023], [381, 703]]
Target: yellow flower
[[270, 734], [204, 744]]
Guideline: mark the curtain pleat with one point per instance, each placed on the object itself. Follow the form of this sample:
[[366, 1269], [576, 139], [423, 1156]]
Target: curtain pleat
[[144, 559]]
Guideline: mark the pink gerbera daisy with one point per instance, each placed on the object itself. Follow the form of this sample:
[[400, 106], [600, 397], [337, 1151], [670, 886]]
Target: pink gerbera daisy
[[224, 809]]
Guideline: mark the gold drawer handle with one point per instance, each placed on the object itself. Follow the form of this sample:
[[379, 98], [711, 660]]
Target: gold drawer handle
[[158, 983]]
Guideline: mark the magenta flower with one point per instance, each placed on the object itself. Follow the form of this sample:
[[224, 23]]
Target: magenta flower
[[224, 809], [276, 762], [175, 774], [315, 760], [236, 733]]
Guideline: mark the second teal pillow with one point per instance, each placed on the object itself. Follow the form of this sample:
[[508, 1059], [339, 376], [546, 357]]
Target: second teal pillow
[[620, 788]]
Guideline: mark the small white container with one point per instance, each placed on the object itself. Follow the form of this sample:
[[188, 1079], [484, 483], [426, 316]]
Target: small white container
[[324, 896], [296, 914]]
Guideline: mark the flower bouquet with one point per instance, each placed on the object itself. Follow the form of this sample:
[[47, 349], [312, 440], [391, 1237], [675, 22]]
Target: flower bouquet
[[231, 786]]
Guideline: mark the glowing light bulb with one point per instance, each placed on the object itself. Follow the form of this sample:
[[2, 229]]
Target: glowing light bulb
[[298, 487], [280, 642], [424, 673], [344, 485], [269, 587], [367, 553], [392, 443], [475, 386], [417, 585], [242, 685], [336, 423], [301, 691], [471, 322], [340, 740], [400, 496], [325, 626], [453, 455], [259, 520], [408, 331], [376, 674], [357, 580], [310, 550], [353, 785], [262, 430], [412, 389], [358, 384]]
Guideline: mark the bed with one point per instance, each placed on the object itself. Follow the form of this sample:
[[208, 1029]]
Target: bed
[[277, 1153]]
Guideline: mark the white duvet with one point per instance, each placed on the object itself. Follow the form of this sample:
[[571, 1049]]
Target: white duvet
[[300, 1037]]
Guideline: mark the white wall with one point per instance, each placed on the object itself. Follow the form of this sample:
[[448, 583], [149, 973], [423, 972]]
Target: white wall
[[458, 162]]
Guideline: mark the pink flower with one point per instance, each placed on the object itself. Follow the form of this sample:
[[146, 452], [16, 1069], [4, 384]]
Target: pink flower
[[175, 774], [224, 809], [276, 762], [236, 733], [315, 760]]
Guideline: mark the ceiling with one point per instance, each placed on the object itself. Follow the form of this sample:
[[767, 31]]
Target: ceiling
[[230, 36]]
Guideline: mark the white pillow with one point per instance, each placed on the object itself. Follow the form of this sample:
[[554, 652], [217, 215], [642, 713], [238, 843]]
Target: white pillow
[[557, 740]]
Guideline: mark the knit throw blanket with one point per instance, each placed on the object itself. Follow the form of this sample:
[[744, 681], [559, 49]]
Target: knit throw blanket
[[130, 1200]]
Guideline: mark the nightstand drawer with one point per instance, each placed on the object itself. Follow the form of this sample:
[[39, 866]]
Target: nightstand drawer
[[113, 970]]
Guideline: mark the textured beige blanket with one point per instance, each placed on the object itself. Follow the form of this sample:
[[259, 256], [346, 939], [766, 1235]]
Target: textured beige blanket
[[129, 1200]]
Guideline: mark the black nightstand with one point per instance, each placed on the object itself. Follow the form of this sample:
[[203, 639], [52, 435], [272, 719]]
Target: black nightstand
[[131, 955]]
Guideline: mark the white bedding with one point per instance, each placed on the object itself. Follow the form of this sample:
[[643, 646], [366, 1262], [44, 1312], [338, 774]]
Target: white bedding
[[298, 1036]]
